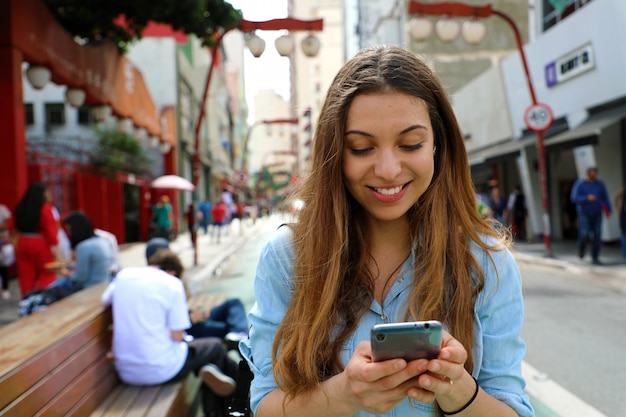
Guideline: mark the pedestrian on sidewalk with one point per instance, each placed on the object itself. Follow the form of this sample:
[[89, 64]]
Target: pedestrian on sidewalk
[[219, 213], [620, 208], [190, 217], [394, 236], [163, 218], [205, 211], [497, 203], [516, 212], [591, 198]]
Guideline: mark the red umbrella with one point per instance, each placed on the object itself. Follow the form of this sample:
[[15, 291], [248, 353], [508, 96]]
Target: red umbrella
[[173, 182]]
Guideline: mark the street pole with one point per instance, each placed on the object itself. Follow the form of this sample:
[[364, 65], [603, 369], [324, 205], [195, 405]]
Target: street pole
[[288, 23], [466, 10]]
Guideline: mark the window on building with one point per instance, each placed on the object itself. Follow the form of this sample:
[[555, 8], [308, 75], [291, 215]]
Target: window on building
[[29, 114], [555, 11], [55, 114], [84, 115]]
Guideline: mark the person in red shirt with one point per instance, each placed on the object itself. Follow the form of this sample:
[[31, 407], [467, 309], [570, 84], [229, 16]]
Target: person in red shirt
[[218, 212], [37, 238]]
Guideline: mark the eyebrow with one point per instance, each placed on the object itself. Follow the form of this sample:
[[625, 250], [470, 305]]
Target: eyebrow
[[407, 130]]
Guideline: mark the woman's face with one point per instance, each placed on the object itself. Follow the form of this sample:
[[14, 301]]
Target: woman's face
[[389, 153]]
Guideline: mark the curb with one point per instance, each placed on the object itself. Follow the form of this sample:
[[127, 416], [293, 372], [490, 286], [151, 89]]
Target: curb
[[613, 277]]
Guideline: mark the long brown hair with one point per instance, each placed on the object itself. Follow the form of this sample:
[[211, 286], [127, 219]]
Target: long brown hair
[[332, 285]]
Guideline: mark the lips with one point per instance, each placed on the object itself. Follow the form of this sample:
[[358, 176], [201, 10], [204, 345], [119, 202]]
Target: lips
[[389, 191], [389, 194]]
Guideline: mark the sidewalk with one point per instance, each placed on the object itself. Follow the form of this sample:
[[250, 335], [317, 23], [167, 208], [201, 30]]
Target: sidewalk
[[612, 272]]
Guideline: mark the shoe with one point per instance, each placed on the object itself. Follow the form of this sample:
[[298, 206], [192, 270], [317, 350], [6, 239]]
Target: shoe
[[236, 336], [232, 339], [596, 262], [6, 294], [220, 383]]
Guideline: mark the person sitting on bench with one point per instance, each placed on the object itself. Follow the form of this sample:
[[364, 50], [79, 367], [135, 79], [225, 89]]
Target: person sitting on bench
[[227, 320], [150, 316]]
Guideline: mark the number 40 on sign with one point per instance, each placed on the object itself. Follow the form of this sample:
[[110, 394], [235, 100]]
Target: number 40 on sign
[[538, 117]]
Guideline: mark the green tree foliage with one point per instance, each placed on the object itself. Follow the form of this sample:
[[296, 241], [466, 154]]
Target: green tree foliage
[[119, 152], [93, 21]]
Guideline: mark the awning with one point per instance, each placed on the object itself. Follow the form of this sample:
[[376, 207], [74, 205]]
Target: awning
[[587, 133], [510, 148], [106, 76]]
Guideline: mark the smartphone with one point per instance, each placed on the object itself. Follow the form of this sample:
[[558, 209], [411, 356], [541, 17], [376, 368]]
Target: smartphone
[[408, 340]]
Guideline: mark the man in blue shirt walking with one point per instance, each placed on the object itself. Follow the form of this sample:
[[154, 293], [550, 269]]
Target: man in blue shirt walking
[[591, 198]]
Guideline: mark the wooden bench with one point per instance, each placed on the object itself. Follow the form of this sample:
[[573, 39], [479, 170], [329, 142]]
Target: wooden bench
[[57, 362]]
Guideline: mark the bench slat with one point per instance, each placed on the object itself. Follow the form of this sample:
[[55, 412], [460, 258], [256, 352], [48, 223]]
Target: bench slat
[[96, 396], [144, 401]]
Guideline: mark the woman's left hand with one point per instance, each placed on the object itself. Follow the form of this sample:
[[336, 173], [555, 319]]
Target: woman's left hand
[[446, 377]]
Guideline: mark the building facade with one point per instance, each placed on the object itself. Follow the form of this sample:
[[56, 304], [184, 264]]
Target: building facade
[[575, 72]]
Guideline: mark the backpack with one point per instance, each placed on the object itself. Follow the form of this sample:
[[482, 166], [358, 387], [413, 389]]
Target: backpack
[[37, 300]]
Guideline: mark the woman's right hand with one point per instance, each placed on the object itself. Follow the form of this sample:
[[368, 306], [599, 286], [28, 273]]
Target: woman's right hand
[[377, 387]]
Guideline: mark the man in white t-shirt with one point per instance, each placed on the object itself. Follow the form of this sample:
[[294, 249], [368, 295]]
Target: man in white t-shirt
[[150, 316]]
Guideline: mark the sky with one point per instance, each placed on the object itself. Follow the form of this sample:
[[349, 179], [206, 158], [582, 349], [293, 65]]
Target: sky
[[270, 71]]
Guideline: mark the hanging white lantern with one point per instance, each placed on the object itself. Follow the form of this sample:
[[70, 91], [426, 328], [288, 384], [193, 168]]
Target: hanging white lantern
[[75, 96], [447, 29], [38, 76], [153, 142], [141, 134], [310, 45], [284, 45], [256, 45], [420, 28], [125, 125], [165, 147], [101, 113], [473, 31]]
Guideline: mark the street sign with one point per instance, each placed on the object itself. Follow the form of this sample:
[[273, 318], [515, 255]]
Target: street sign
[[538, 117], [241, 177]]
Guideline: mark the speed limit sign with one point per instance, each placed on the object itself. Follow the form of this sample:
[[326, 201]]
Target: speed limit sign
[[538, 117]]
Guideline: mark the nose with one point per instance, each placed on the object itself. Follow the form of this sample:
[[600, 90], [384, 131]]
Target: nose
[[388, 165]]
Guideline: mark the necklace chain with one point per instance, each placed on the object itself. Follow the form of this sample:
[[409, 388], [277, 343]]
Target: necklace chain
[[383, 316]]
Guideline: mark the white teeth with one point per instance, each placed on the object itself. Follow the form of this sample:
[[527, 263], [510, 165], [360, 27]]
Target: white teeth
[[389, 191]]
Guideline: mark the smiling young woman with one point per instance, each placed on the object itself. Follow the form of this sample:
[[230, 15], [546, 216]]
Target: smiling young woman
[[394, 236]]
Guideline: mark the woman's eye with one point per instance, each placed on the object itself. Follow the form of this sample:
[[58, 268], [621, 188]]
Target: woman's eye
[[411, 147], [359, 151]]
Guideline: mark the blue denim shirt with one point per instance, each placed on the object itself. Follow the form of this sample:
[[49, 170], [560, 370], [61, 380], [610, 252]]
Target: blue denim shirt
[[499, 313]]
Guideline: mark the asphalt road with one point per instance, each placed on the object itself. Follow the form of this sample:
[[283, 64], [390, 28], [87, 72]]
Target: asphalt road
[[575, 330]]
